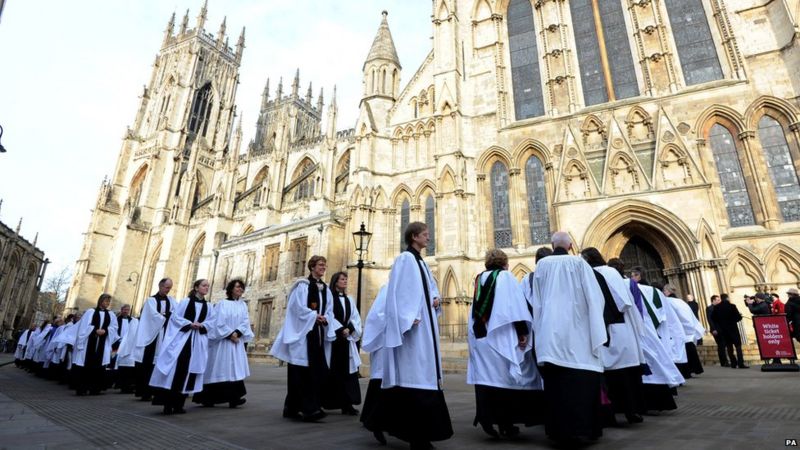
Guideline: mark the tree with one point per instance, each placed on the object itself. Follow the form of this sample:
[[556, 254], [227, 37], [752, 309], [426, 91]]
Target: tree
[[58, 284]]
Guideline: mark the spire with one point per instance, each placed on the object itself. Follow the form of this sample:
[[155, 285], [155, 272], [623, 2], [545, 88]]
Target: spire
[[185, 22], [170, 28], [280, 88], [319, 100], [36, 239], [296, 83], [309, 93], [221, 33], [333, 100], [201, 18], [1, 203], [331, 115], [265, 96], [19, 225], [240, 45], [383, 45]]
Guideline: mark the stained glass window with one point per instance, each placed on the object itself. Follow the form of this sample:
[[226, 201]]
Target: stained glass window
[[616, 47], [734, 189], [537, 201], [501, 213], [525, 76], [698, 55], [430, 221], [781, 167], [201, 110]]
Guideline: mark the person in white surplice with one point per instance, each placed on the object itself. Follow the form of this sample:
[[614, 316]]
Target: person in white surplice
[[97, 330], [22, 345], [153, 322], [570, 332], [342, 390], [227, 356], [508, 386], [181, 362], [124, 372], [413, 407], [693, 331], [304, 342]]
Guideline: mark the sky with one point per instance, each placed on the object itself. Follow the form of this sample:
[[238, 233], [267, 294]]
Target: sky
[[71, 74]]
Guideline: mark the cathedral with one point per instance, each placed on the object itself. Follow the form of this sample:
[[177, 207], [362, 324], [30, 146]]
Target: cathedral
[[665, 132]]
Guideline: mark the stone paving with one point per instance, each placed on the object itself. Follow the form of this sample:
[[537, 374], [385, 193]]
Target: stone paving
[[723, 408]]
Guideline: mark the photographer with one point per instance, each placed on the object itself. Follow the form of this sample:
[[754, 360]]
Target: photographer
[[758, 305]]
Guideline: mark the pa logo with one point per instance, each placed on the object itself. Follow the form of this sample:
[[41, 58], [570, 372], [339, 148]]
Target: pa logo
[[790, 443]]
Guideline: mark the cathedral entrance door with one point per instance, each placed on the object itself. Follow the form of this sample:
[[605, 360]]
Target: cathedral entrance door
[[641, 245], [637, 252]]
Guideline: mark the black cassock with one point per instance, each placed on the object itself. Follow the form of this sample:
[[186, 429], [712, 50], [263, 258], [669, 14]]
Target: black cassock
[[342, 390], [144, 369], [91, 377]]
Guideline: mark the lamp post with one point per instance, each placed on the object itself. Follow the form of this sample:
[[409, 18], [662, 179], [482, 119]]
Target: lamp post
[[361, 239]]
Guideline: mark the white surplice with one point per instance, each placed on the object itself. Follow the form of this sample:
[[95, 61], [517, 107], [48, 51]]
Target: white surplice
[[65, 339], [290, 344], [39, 344], [692, 328], [410, 355], [669, 328], [227, 361], [151, 325], [30, 346], [22, 344], [355, 335], [85, 330], [568, 313], [656, 354], [372, 338], [50, 346], [624, 348], [166, 361], [127, 344], [497, 359]]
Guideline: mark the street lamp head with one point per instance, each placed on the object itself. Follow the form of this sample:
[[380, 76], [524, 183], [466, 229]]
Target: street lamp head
[[361, 239], [133, 276]]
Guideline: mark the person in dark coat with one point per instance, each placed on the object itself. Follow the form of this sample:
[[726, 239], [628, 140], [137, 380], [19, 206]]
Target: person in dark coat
[[723, 358], [726, 317], [758, 305], [792, 309]]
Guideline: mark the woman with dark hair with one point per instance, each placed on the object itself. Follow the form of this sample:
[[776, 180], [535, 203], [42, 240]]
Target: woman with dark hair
[[527, 281], [182, 361], [227, 355], [413, 406], [343, 390], [622, 354], [97, 330], [304, 342], [508, 386]]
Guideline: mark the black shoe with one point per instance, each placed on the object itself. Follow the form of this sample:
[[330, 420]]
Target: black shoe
[[146, 398], [742, 366], [167, 410], [236, 403], [634, 418], [179, 411], [489, 429], [292, 415], [422, 445], [319, 415], [725, 364], [733, 366], [207, 404], [349, 411], [509, 431], [378, 435]]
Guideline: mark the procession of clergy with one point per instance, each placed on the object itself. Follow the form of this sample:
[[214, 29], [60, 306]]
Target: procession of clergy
[[570, 346]]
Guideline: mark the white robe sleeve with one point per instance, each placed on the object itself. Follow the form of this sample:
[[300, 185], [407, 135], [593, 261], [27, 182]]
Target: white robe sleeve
[[355, 321], [596, 303], [373, 336], [150, 323]]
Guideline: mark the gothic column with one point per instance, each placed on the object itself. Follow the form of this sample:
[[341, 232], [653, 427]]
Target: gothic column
[[767, 203]]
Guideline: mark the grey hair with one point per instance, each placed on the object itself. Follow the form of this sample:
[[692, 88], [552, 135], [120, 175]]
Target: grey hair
[[561, 239]]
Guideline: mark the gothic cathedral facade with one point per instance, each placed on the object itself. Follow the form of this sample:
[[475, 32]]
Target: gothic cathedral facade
[[665, 132]]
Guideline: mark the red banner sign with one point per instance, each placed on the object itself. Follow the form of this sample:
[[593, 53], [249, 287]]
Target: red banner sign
[[772, 334]]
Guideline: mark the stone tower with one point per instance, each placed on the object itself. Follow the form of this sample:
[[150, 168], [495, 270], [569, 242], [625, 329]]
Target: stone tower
[[166, 166]]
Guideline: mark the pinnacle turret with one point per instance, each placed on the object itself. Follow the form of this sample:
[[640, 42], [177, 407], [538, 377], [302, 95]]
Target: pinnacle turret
[[319, 100], [309, 93], [383, 45], [202, 16], [185, 22], [170, 28], [222, 28], [296, 83], [265, 96], [280, 88], [240, 45]]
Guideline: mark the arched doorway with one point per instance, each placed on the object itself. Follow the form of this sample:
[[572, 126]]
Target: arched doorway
[[639, 244]]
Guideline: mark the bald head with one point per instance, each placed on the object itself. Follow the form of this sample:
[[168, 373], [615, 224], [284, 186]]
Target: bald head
[[561, 239]]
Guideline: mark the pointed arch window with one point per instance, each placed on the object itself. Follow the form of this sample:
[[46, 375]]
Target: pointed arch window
[[201, 110], [430, 221], [343, 174], [734, 189], [194, 260], [405, 216], [538, 215], [693, 41], [604, 53], [525, 72], [781, 167], [501, 213]]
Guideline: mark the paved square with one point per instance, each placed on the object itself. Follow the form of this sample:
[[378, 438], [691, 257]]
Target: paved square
[[723, 408]]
